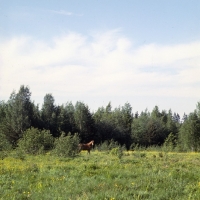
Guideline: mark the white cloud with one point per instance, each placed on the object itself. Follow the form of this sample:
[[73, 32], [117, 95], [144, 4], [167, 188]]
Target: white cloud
[[97, 66], [159, 55]]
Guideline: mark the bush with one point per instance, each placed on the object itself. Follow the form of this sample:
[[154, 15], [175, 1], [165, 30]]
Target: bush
[[5, 145], [18, 154], [66, 146], [35, 141], [170, 143], [114, 151], [108, 145]]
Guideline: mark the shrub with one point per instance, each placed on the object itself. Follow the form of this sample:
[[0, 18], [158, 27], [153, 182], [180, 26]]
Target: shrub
[[114, 151], [5, 145], [35, 141], [66, 146], [108, 145], [117, 151], [137, 147], [18, 154], [132, 147], [170, 143]]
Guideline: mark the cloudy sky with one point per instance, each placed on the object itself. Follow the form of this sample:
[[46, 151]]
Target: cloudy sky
[[143, 52]]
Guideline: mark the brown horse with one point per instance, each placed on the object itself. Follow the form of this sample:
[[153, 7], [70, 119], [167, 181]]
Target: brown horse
[[87, 146]]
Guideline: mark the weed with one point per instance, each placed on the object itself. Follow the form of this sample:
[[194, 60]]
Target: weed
[[145, 175]]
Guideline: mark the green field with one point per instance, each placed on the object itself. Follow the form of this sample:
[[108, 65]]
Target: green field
[[101, 175]]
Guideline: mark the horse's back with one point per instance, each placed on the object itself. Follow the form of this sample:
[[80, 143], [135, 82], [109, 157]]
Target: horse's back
[[87, 146]]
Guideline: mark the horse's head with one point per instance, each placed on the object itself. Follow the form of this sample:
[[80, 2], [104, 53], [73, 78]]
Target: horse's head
[[92, 142]]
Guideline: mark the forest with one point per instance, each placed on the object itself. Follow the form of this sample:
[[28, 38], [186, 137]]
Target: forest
[[107, 124]]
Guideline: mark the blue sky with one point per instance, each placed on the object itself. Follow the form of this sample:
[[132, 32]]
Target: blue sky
[[143, 52]]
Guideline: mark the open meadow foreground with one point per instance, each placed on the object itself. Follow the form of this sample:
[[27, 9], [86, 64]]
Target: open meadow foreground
[[101, 175]]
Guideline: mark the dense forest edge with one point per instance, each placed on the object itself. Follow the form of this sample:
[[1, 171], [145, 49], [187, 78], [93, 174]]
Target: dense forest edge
[[24, 125]]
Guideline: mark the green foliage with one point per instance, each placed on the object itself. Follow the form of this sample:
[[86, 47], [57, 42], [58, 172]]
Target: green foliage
[[112, 147], [117, 151], [66, 118], [18, 114], [19, 154], [189, 134], [35, 141], [170, 143], [114, 124], [5, 145], [148, 130], [145, 175], [122, 118], [171, 125], [84, 121], [3, 154], [114, 151], [66, 146], [108, 145], [106, 124], [198, 109], [36, 120], [49, 114], [139, 127], [137, 147], [155, 113]]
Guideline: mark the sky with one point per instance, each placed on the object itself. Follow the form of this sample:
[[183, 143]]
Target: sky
[[146, 52]]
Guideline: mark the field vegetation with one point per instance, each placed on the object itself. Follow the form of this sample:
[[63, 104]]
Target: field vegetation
[[140, 174]]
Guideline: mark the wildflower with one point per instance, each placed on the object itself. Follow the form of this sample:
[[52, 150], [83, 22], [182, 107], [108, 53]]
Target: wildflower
[[29, 194]]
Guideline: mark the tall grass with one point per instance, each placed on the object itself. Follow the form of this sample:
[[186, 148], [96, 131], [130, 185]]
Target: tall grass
[[102, 175]]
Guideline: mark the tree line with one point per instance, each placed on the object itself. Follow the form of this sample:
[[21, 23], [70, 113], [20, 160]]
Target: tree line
[[120, 124]]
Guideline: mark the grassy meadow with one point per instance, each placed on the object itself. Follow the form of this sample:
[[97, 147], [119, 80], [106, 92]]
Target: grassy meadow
[[101, 175]]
